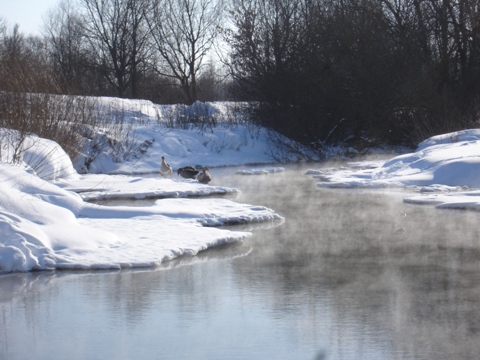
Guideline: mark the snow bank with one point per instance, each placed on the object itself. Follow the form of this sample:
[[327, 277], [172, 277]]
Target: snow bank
[[48, 225], [450, 160], [223, 140], [116, 187], [224, 146], [44, 158], [445, 170], [45, 227]]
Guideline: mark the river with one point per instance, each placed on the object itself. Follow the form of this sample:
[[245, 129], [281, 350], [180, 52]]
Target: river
[[350, 274]]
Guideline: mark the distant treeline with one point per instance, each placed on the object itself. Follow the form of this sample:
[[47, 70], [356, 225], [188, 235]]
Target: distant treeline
[[321, 72]]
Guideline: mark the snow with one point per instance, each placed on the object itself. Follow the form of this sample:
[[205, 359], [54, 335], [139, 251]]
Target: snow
[[116, 187], [228, 143], [40, 156], [49, 219], [444, 170], [46, 227], [264, 171]]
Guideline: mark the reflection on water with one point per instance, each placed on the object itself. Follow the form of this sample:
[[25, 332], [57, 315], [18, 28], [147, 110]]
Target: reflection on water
[[351, 274]]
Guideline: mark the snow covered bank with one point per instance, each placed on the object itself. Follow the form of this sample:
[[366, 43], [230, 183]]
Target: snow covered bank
[[115, 187], [42, 157], [225, 146], [225, 139], [445, 169], [46, 227]]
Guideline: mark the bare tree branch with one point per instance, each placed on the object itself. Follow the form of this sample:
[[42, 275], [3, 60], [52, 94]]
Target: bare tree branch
[[183, 32]]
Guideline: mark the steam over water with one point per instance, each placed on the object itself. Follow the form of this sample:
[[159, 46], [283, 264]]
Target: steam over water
[[351, 274]]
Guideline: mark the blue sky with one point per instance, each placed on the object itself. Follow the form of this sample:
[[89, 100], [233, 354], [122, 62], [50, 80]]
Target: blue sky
[[28, 14]]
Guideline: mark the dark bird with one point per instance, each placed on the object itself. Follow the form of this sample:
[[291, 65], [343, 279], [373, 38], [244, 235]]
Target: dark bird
[[188, 172], [204, 177], [165, 169]]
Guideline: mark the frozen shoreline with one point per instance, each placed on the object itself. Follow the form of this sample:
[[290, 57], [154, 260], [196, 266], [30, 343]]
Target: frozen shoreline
[[47, 224]]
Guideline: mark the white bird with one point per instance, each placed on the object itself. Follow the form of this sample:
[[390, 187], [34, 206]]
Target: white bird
[[204, 177], [165, 169]]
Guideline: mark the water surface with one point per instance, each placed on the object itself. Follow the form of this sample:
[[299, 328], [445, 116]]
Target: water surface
[[350, 274]]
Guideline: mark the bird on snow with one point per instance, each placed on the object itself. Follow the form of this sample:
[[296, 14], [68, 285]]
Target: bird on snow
[[188, 172], [204, 177], [165, 169]]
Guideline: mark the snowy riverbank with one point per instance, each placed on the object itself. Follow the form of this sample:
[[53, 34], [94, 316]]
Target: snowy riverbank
[[46, 221], [444, 170], [46, 227]]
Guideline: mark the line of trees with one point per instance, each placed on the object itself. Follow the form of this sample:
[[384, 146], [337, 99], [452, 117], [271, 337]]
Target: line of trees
[[154, 49], [319, 71], [392, 71]]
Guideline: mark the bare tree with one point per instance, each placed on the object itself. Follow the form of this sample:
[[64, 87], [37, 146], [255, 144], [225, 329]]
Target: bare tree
[[183, 32], [68, 48], [24, 65], [114, 28], [265, 40], [3, 29]]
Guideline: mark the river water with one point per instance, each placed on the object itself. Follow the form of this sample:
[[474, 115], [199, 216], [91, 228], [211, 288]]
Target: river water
[[350, 274]]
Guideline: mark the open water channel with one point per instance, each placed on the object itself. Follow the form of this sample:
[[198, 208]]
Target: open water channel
[[350, 274]]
